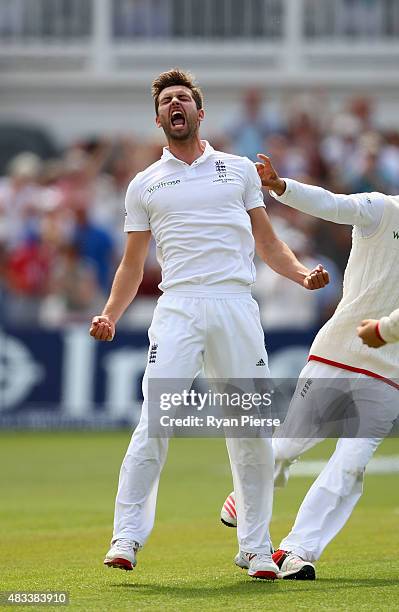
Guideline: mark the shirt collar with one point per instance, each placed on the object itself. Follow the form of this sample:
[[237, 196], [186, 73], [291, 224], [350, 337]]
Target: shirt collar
[[209, 150]]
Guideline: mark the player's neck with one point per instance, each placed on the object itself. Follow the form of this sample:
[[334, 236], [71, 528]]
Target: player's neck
[[187, 151]]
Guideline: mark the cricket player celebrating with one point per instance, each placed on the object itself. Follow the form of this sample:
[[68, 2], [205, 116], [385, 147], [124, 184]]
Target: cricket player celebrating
[[340, 366], [205, 210]]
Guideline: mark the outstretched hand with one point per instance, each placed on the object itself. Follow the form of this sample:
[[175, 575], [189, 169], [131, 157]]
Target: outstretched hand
[[316, 279], [368, 333], [102, 328], [269, 176]]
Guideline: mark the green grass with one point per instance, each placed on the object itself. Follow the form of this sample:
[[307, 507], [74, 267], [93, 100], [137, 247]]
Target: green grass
[[57, 496]]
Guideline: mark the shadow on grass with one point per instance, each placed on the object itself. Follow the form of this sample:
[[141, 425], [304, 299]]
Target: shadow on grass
[[250, 587]]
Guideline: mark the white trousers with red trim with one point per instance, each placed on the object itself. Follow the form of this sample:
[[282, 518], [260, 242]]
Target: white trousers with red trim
[[331, 499], [223, 336]]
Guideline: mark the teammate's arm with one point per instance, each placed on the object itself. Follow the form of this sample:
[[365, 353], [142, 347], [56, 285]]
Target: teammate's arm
[[363, 210], [278, 256], [378, 332], [127, 280]]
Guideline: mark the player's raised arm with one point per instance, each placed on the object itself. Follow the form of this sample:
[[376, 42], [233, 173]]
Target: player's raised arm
[[363, 210], [378, 332], [127, 280], [277, 254]]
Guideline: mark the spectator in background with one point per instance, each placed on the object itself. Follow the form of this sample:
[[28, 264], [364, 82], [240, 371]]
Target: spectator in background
[[303, 132], [287, 155], [339, 146], [73, 291], [333, 242], [362, 109], [72, 208], [389, 161], [95, 244], [108, 207], [283, 307], [78, 180], [27, 271], [345, 128], [367, 176], [20, 195], [248, 131]]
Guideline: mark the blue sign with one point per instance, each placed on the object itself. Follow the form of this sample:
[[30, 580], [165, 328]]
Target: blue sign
[[65, 379]]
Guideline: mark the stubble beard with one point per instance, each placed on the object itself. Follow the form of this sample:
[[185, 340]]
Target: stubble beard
[[188, 134]]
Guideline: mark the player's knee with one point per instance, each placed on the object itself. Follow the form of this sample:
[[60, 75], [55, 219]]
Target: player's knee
[[353, 465], [152, 451], [352, 480], [356, 466], [253, 451]]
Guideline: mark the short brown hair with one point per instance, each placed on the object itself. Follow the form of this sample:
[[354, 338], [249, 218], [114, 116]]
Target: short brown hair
[[176, 77]]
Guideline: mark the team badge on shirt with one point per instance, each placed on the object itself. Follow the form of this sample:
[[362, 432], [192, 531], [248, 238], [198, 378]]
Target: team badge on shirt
[[221, 171]]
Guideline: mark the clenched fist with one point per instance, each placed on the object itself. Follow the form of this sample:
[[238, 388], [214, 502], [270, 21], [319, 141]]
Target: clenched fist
[[316, 279], [102, 328], [369, 334]]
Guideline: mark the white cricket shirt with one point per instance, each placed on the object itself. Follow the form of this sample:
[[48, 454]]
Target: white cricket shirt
[[371, 276], [198, 215]]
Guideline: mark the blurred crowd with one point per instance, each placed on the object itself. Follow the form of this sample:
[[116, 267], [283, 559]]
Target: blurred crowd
[[61, 219]]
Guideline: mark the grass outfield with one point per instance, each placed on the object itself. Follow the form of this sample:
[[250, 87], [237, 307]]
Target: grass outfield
[[57, 495]]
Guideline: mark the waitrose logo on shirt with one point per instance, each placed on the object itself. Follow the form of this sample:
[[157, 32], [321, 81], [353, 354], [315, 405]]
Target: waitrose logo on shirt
[[163, 184]]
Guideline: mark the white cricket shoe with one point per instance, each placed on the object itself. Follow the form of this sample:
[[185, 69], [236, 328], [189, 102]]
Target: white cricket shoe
[[228, 514], [293, 567], [259, 565], [122, 554]]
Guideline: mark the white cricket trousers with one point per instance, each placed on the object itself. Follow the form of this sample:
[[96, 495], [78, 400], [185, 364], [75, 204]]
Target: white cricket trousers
[[222, 336], [331, 499]]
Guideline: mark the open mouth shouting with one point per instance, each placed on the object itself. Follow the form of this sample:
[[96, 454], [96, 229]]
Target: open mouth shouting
[[178, 119]]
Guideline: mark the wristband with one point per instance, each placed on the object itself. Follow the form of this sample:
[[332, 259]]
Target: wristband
[[377, 331]]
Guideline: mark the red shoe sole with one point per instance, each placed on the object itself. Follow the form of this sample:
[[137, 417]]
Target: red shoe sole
[[120, 563], [264, 575]]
